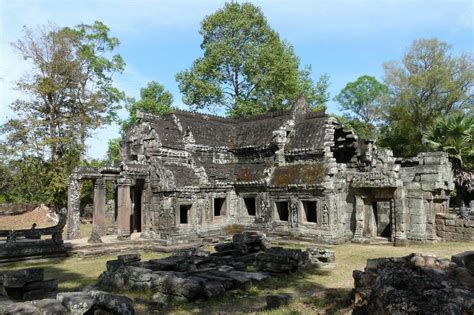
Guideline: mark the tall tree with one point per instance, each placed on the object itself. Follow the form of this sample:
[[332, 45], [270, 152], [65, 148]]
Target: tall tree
[[113, 152], [362, 98], [68, 94], [69, 87], [429, 82], [246, 67], [154, 99]]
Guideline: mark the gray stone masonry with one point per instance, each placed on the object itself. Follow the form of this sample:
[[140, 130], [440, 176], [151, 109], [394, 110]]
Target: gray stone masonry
[[291, 173]]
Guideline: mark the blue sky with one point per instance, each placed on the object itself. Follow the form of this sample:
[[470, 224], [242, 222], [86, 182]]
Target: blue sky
[[343, 38]]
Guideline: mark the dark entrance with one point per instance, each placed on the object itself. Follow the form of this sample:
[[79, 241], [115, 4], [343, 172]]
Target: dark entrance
[[383, 218], [219, 207], [184, 214], [282, 210], [136, 220], [310, 212], [378, 219], [250, 204]]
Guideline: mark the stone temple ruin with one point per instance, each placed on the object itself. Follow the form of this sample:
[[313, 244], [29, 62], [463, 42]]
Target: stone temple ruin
[[290, 173]]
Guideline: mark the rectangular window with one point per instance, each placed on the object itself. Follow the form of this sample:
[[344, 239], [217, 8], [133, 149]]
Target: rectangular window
[[250, 204], [219, 206], [184, 214], [282, 210], [310, 212]]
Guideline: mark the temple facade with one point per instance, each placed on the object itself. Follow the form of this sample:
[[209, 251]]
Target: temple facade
[[291, 173]]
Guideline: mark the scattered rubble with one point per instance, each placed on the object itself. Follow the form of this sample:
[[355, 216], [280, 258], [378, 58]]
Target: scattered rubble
[[321, 256], [91, 302], [416, 284], [27, 284], [26, 292], [194, 273]]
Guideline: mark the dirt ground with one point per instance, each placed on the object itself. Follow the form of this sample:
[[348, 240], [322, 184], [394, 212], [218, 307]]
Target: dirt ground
[[25, 220]]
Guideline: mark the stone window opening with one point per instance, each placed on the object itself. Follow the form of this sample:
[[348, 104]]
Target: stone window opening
[[282, 211], [250, 205], [310, 211], [184, 212], [219, 207]]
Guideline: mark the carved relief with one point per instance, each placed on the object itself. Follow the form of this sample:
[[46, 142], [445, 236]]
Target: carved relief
[[325, 215], [73, 207], [293, 208], [161, 179]]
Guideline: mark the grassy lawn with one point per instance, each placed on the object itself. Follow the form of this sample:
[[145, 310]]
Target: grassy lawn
[[325, 290]]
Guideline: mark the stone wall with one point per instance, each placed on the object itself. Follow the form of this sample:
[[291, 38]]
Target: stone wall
[[453, 229]]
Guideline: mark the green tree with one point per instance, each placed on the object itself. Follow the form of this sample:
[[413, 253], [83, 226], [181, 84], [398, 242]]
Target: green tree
[[69, 87], [428, 83], [68, 94], [154, 99], [362, 98], [246, 68], [454, 135], [113, 152]]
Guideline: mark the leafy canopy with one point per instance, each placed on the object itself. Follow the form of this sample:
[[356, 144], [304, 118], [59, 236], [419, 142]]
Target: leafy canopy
[[428, 83], [154, 99], [68, 93], [246, 68], [453, 134], [362, 98]]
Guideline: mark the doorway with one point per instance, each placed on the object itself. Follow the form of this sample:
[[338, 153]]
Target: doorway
[[136, 220], [378, 219]]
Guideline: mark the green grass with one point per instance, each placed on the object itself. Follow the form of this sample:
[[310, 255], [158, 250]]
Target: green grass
[[324, 290], [72, 273]]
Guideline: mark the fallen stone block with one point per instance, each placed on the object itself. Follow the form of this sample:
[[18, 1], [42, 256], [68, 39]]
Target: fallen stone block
[[22, 308], [136, 274], [113, 265], [169, 283], [129, 258], [116, 303], [50, 307], [17, 279], [76, 302], [213, 289], [320, 256], [463, 259]]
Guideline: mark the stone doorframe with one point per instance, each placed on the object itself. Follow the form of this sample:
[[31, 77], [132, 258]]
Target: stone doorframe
[[374, 194], [99, 177]]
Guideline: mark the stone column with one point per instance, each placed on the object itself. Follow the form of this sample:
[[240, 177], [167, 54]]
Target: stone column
[[98, 218], [359, 218], [124, 208], [400, 216], [293, 209], [73, 207]]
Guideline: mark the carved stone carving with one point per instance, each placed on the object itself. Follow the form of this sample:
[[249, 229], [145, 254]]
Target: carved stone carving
[[73, 207], [373, 179], [325, 214], [162, 179]]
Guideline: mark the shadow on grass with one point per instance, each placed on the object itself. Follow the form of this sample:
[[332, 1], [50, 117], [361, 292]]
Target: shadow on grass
[[308, 298], [62, 269]]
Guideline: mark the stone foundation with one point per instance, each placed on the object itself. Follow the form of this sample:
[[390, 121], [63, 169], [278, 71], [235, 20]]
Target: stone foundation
[[451, 228]]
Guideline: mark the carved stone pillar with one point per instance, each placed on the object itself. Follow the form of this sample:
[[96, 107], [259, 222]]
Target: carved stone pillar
[[98, 218], [124, 208], [293, 212], [400, 216], [359, 218], [73, 207]]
